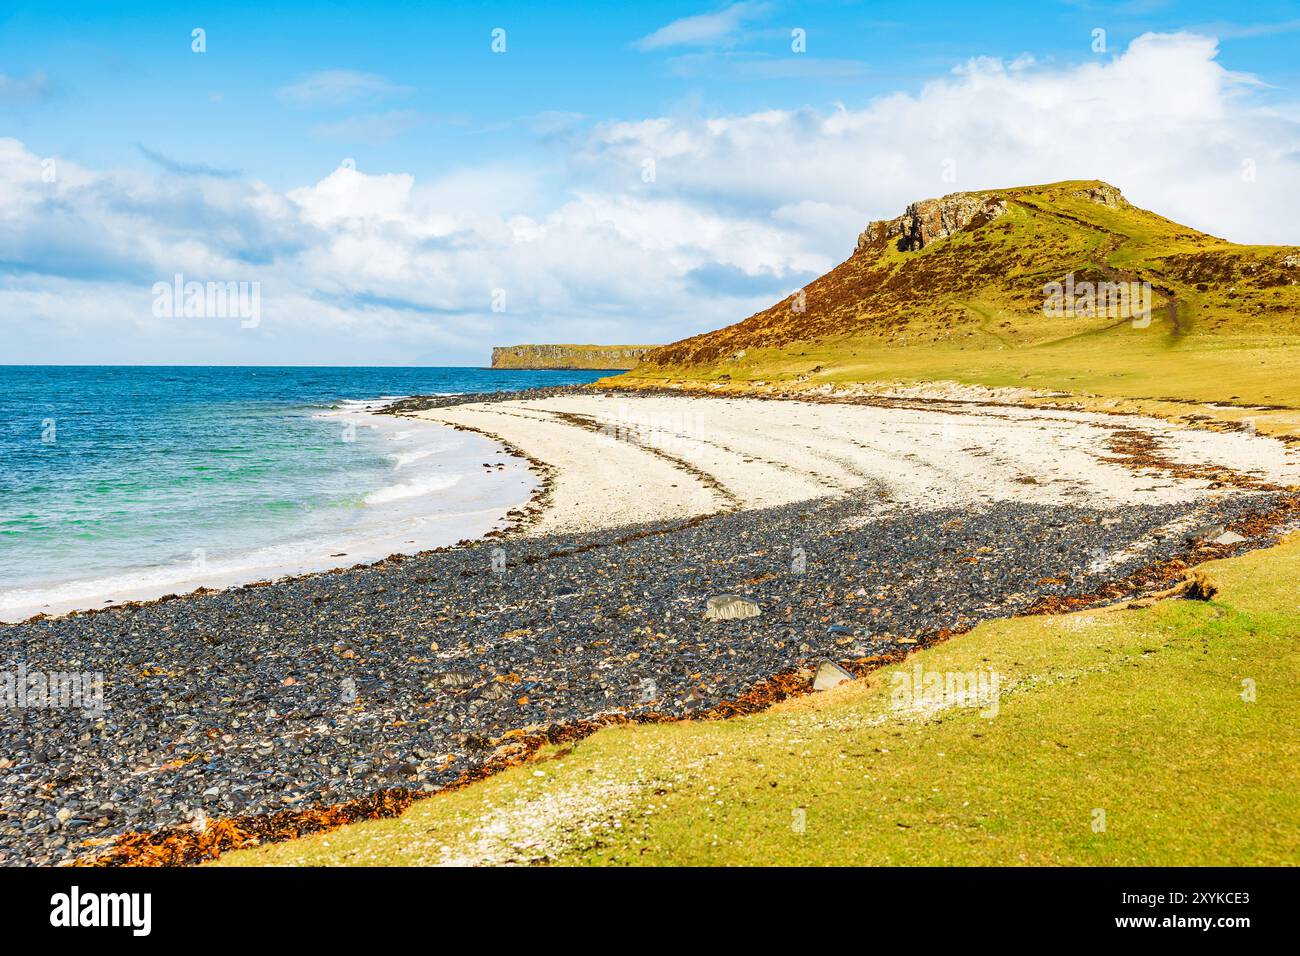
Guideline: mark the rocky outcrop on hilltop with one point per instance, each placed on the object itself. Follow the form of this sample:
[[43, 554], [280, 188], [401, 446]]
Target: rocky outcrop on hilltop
[[932, 219], [569, 356], [1103, 193], [929, 220]]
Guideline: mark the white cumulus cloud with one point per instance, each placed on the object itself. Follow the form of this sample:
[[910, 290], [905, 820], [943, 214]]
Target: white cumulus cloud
[[659, 227]]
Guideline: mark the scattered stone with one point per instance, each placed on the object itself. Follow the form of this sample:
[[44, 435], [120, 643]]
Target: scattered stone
[[728, 607], [829, 674], [1229, 537], [451, 680]]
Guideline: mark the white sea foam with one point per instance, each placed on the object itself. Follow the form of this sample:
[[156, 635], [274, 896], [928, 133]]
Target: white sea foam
[[402, 459], [412, 489]]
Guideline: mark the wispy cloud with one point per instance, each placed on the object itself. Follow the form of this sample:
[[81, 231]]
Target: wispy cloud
[[17, 91], [372, 127], [339, 87], [181, 168], [703, 29]]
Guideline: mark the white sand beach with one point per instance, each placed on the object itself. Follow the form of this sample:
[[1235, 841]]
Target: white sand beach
[[624, 459]]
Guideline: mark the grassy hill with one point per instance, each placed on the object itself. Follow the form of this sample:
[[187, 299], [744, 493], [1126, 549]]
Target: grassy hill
[[954, 290]]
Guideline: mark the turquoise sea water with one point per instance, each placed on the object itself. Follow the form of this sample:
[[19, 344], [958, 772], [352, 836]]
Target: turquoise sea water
[[124, 482]]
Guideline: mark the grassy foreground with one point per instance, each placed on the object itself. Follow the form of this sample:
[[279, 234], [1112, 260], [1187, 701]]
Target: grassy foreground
[[1143, 715]]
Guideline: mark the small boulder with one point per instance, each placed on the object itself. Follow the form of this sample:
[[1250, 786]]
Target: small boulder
[[1229, 537], [829, 674], [726, 607]]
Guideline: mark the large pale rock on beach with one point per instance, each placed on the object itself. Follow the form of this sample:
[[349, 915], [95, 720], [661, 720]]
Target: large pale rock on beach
[[829, 674], [727, 607]]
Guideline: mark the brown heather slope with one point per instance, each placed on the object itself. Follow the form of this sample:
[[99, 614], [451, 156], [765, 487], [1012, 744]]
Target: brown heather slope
[[968, 272], [598, 357]]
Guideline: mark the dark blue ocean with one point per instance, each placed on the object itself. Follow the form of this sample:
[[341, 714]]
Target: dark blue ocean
[[123, 482]]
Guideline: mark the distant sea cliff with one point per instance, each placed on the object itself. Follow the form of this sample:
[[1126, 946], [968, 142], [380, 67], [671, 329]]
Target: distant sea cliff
[[569, 356]]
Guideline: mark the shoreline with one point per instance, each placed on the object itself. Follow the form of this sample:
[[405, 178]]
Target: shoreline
[[531, 512], [416, 672], [407, 533]]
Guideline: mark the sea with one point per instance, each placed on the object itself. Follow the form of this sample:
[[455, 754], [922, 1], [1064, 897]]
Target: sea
[[130, 483]]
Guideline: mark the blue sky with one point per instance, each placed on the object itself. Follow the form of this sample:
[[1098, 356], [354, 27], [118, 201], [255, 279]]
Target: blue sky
[[524, 170]]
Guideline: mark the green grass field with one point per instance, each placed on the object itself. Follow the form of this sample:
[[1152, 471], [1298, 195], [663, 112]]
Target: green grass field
[[1140, 715]]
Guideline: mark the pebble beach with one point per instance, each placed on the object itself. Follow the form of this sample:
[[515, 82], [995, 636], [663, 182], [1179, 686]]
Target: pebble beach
[[410, 673]]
